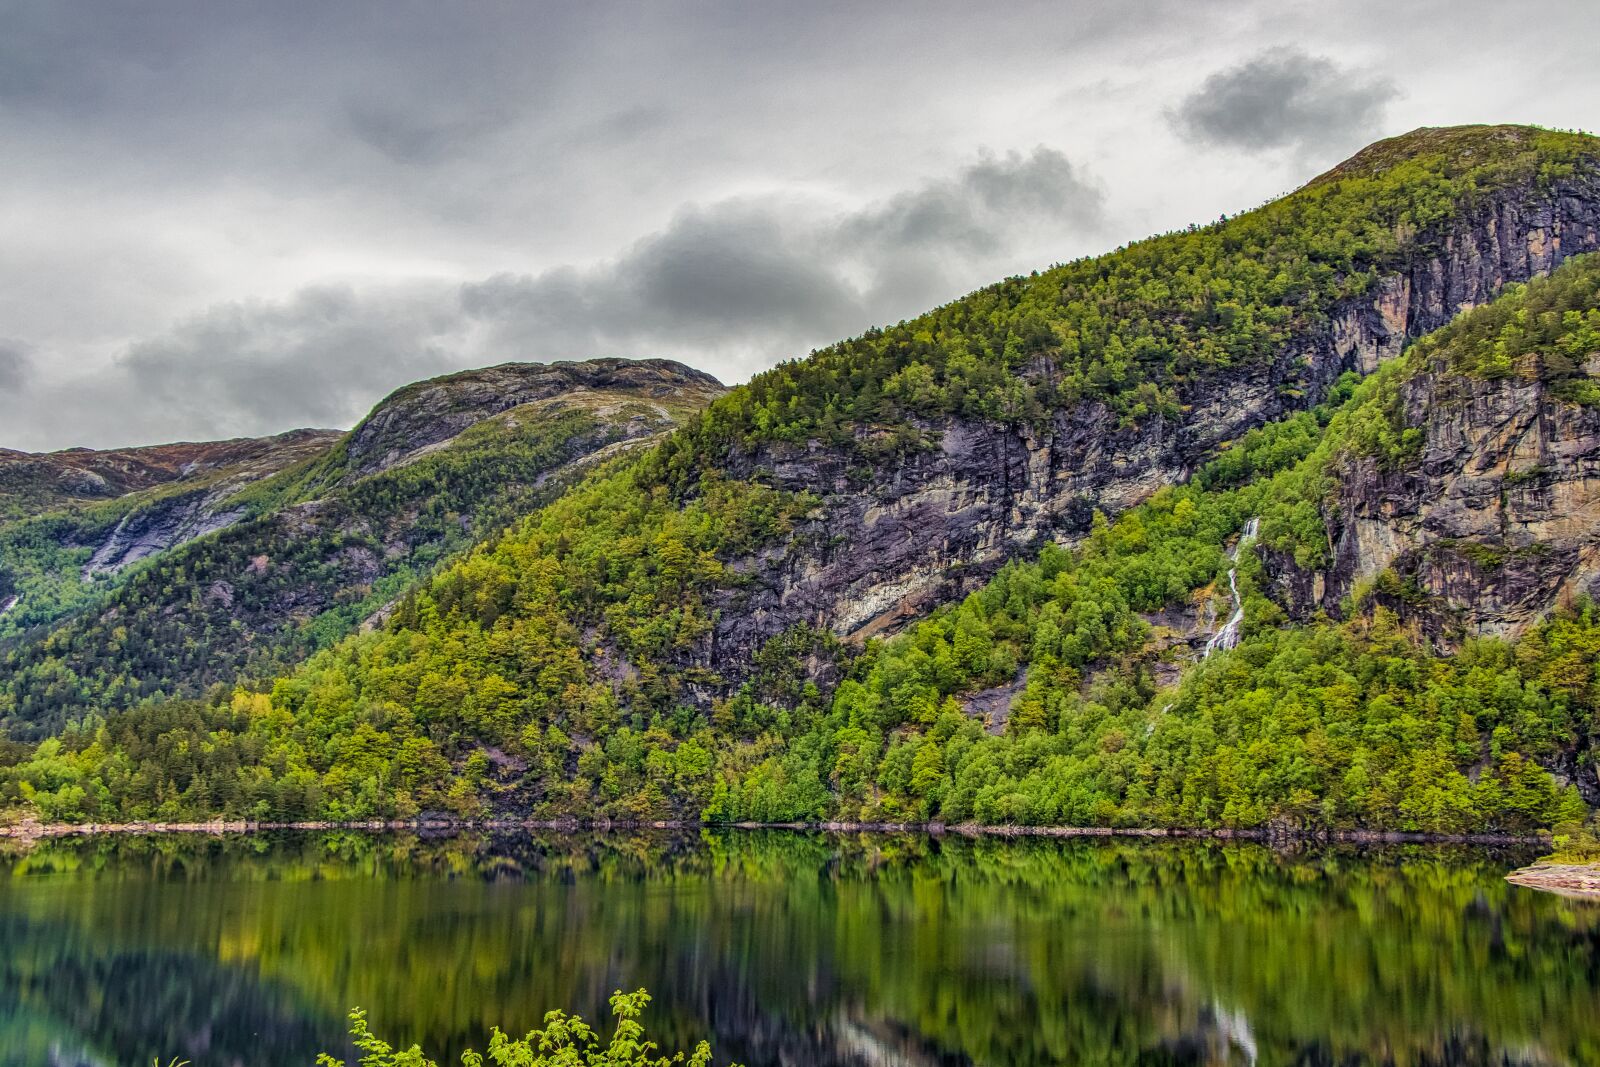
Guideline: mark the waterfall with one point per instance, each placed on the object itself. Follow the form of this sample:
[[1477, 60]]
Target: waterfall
[[9, 604], [1228, 636]]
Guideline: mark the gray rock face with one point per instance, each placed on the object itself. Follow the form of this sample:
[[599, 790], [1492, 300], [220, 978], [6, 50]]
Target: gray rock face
[[421, 416], [888, 547], [1497, 521], [162, 526]]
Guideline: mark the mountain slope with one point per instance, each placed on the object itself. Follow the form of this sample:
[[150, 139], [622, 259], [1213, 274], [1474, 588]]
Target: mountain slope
[[71, 521], [1015, 413], [1089, 686], [306, 556], [32, 483], [665, 636]]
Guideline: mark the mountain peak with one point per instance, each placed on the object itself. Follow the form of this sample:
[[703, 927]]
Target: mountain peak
[[1461, 148], [426, 413]]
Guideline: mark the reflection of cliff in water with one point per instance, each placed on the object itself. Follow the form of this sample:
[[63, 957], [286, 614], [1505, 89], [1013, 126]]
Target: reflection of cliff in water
[[811, 949]]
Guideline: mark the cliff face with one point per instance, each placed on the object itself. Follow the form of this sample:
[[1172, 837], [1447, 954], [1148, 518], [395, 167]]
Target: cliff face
[[1495, 520], [887, 547]]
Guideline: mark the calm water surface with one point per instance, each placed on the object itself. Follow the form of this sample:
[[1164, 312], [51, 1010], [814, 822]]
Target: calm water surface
[[794, 949]]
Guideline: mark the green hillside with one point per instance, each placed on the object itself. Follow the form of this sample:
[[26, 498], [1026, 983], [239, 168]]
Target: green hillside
[[570, 667], [316, 548]]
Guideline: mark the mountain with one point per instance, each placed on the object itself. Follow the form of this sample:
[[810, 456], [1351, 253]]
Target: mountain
[[32, 483], [300, 554], [71, 520], [1098, 513]]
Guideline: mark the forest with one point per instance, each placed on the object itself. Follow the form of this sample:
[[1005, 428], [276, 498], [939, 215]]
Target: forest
[[558, 669]]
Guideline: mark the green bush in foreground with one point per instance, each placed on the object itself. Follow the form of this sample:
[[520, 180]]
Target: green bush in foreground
[[565, 1041]]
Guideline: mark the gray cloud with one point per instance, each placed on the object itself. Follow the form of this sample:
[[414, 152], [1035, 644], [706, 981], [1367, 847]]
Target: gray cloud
[[316, 358], [1284, 98], [738, 284], [729, 286], [984, 204], [366, 191]]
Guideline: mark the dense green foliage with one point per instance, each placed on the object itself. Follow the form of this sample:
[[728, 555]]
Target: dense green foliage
[[262, 594], [44, 558], [563, 668], [565, 1041], [55, 508], [469, 668]]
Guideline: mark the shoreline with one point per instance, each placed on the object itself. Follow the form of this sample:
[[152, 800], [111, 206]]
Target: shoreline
[[1576, 881], [35, 831]]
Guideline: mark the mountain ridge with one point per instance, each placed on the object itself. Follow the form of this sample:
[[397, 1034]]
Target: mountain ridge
[[1064, 462]]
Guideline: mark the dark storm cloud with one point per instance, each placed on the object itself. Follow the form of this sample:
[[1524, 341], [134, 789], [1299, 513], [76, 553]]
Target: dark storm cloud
[[1284, 97]]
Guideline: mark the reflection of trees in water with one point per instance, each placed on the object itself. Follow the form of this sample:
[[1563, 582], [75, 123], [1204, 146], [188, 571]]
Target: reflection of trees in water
[[817, 949], [133, 1006]]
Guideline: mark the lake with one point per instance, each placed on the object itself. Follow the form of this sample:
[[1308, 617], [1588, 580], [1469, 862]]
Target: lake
[[794, 948]]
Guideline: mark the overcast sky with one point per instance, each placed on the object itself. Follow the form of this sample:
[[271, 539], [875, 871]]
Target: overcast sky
[[237, 218]]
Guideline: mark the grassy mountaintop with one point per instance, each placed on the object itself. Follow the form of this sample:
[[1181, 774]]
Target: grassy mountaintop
[[35, 482]]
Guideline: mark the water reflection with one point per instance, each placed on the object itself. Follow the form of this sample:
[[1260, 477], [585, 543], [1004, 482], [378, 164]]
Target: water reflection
[[794, 949]]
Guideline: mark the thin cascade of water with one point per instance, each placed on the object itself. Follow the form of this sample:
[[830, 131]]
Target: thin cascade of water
[[1228, 636]]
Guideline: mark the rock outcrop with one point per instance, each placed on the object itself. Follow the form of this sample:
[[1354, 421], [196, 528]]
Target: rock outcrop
[[887, 547], [1495, 520], [420, 417]]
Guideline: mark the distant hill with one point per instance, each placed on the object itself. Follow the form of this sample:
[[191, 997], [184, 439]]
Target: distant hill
[[246, 555]]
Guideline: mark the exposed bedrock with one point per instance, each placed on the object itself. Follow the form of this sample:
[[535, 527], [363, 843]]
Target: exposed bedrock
[[890, 543]]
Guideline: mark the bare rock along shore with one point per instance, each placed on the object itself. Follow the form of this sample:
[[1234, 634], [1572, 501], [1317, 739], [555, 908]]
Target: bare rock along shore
[[1578, 880]]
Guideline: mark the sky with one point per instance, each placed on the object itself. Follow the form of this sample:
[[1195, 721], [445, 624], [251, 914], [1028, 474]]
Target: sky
[[235, 218]]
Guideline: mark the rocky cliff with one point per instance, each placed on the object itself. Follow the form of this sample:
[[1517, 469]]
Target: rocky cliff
[[885, 548], [1488, 519]]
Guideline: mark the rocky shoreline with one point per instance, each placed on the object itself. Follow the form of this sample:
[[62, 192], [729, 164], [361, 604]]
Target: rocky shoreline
[[32, 831], [1580, 881]]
